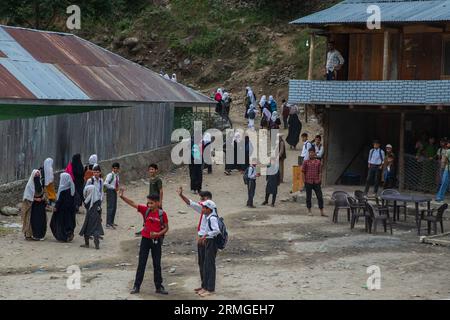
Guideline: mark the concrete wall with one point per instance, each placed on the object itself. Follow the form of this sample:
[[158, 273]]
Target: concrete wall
[[347, 133], [133, 167]]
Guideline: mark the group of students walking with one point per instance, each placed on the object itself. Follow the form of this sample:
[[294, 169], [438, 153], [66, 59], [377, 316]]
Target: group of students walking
[[78, 186], [38, 197]]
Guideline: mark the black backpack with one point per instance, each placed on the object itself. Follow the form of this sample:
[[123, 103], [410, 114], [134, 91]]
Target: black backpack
[[222, 238], [161, 218]]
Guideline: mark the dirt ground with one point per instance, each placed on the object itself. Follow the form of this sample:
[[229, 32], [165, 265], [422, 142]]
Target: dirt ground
[[273, 253]]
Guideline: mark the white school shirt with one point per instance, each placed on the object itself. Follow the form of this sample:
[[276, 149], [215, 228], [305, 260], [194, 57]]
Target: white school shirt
[[251, 173], [198, 208], [334, 58], [319, 151], [110, 181], [305, 151], [376, 157], [212, 232], [98, 183]]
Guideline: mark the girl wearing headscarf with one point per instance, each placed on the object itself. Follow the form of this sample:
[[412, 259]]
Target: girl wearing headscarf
[[63, 220], [76, 170], [275, 121], [207, 140], [196, 165], [218, 98], [272, 104], [48, 178], [226, 98], [262, 103], [88, 173], [174, 77], [250, 99], [266, 116], [295, 128], [93, 196], [34, 217], [251, 113]]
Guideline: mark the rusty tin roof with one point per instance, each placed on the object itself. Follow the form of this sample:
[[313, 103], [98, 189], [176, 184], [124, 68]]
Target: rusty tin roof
[[60, 66]]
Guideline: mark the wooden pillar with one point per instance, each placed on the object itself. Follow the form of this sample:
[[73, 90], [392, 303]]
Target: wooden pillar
[[386, 56], [326, 136], [401, 154], [312, 40]]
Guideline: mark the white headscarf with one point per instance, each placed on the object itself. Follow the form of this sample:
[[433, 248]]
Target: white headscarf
[[207, 138], [271, 98], [225, 95], [267, 113], [48, 171], [293, 109], [220, 91], [167, 76], [174, 77], [65, 183], [251, 95], [93, 159], [274, 116], [262, 102], [237, 137], [91, 195], [29, 189]]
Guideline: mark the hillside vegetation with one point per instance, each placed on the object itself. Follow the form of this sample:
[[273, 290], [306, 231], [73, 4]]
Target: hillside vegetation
[[207, 43]]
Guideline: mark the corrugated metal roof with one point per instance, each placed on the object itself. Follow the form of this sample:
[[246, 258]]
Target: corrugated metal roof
[[62, 66], [392, 11], [10, 87]]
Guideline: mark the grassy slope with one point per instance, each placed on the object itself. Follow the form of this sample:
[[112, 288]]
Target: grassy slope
[[224, 46]]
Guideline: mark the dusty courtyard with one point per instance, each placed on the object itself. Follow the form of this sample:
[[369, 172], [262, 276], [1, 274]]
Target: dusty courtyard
[[273, 253]]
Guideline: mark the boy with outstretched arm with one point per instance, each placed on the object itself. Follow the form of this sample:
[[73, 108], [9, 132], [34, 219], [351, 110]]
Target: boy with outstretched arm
[[201, 229], [156, 226]]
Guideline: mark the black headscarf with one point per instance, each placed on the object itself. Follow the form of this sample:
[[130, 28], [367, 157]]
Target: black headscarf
[[77, 166]]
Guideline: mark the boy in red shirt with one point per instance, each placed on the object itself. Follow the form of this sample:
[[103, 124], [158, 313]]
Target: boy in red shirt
[[311, 169], [152, 237]]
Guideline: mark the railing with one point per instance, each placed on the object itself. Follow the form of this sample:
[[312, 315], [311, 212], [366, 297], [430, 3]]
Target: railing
[[422, 175], [395, 92]]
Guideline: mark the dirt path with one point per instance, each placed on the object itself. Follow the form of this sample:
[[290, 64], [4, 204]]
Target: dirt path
[[276, 253]]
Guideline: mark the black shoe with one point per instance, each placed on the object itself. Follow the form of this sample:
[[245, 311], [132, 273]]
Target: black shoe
[[97, 243], [161, 291], [264, 203], [135, 290]]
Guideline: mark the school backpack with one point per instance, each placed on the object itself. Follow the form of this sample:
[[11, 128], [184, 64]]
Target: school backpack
[[222, 238], [252, 114], [161, 218]]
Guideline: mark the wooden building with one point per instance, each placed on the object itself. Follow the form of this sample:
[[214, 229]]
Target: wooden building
[[61, 95], [394, 85]]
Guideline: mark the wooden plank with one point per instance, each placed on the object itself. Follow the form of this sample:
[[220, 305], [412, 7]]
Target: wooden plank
[[386, 56], [312, 41], [401, 159], [359, 30], [421, 28]]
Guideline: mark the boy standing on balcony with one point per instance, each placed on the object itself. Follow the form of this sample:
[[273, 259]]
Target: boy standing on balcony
[[335, 61]]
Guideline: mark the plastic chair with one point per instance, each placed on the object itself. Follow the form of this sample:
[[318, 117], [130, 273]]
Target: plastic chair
[[383, 216], [431, 219], [340, 202], [355, 206]]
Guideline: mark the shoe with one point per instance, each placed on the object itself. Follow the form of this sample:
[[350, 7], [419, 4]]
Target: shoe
[[161, 290], [97, 243], [115, 225], [198, 289], [135, 290], [272, 205], [109, 226], [264, 203], [252, 207]]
